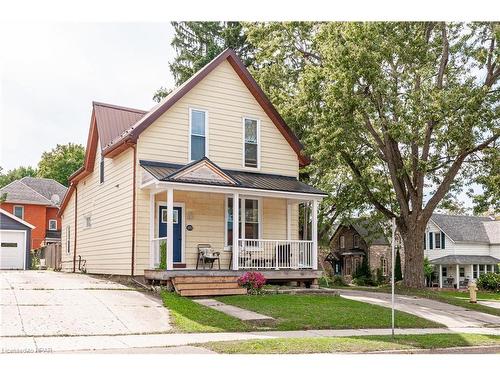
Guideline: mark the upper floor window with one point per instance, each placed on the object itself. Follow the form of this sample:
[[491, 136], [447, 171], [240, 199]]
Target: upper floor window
[[101, 170], [52, 224], [198, 134], [251, 140], [342, 242], [355, 241], [437, 237], [19, 212], [87, 221]]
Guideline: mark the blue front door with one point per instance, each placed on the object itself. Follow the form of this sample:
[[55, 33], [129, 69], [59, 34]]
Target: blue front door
[[162, 230]]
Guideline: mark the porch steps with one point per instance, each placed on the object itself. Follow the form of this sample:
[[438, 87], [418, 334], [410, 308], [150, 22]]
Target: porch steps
[[197, 286]]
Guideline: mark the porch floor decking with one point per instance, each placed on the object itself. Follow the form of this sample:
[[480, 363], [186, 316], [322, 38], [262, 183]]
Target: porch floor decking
[[274, 275]]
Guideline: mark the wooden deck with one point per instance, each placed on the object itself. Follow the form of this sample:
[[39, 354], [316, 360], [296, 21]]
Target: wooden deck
[[303, 275]]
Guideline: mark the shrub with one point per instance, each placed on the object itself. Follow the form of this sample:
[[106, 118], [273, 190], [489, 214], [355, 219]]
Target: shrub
[[163, 256], [398, 275], [253, 281], [489, 281], [363, 270], [380, 278], [363, 281], [338, 280]]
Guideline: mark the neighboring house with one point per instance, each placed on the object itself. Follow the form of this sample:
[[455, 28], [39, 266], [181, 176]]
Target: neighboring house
[[36, 201], [15, 238], [213, 163], [462, 248], [352, 242]]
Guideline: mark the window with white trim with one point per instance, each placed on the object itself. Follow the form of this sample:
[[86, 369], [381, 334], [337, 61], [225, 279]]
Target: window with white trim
[[251, 142], [198, 136], [18, 211], [250, 219], [52, 224], [383, 266], [342, 242], [355, 241], [87, 221], [437, 240], [68, 239]]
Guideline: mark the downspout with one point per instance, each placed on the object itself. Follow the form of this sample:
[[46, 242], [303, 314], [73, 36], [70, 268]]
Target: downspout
[[74, 246], [133, 207]]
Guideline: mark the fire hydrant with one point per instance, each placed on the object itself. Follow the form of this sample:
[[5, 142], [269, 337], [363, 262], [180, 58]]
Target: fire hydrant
[[473, 292]]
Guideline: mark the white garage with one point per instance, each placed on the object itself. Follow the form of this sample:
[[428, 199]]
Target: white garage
[[15, 237]]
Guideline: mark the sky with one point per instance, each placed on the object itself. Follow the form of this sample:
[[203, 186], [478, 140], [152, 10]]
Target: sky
[[51, 73]]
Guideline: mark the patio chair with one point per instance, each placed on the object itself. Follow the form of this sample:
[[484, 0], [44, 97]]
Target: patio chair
[[464, 283], [206, 255]]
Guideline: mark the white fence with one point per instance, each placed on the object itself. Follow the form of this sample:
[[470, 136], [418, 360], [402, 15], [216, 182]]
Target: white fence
[[275, 254]]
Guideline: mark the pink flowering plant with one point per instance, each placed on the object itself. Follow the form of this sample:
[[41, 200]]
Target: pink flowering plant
[[253, 281]]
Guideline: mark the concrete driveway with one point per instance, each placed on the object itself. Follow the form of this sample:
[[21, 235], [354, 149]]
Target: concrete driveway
[[46, 303], [449, 315]]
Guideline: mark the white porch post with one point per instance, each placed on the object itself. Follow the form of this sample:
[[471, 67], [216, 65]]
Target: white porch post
[[314, 233], [152, 254], [170, 228], [288, 220], [236, 227], [441, 276], [471, 272], [458, 276]]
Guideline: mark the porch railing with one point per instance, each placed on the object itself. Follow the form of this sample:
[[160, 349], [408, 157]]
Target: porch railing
[[275, 254]]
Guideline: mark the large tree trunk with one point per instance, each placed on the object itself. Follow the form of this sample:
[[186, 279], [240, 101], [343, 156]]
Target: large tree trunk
[[413, 275]]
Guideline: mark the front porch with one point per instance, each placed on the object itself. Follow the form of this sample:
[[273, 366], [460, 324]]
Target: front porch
[[248, 228]]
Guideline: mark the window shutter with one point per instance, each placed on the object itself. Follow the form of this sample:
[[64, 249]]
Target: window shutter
[[424, 241], [431, 238], [442, 240]]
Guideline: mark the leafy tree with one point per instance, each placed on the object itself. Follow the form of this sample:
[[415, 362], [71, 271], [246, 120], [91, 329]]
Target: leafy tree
[[197, 43], [61, 162], [404, 106], [398, 275], [488, 178], [363, 270], [16, 174], [428, 269]]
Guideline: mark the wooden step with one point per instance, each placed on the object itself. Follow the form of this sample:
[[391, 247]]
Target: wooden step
[[191, 286], [205, 279], [212, 292]]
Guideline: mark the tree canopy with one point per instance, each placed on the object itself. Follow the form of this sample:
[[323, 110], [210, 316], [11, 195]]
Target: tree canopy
[[61, 162], [16, 174]]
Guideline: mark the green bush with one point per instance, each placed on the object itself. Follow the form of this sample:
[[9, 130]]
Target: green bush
[[398, 275], [338, 280], [489, 281], [380, 278], [363, 281], [363, 270], [163, 256]]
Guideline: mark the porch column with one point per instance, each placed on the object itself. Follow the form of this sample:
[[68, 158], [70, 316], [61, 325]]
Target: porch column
[[170, 228], [458, 276], [236, 227], [288, 220], [314, 234], [441, 276], [152, 245], [471, 272]]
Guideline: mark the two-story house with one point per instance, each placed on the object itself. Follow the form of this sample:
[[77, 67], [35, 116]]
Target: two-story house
[[36, 201], [462, 248], [213, 165]]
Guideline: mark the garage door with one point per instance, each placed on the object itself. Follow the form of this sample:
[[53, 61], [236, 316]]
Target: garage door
[[12, 250]]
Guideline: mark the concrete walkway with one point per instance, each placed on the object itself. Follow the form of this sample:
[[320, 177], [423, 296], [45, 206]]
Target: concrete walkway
[[449, 315], [247, 316], [46, 303], [89, 343]]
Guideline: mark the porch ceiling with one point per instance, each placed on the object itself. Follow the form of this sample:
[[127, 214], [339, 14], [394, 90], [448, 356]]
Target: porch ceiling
[[163, 172]]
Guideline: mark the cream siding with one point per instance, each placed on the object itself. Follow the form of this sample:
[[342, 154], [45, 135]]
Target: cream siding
[[68, 219], [107, 245], [228, 101]]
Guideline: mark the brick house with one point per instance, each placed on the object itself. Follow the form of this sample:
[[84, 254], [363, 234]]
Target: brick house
[[36, 201], [358, 239]]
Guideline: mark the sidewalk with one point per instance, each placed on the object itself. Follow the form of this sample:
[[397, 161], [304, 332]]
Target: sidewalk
[[83, 343]]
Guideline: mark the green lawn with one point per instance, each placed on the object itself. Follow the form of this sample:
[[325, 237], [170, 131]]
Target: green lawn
[[298, 312], [453, 297], [189, 316], [293, 312], [352, 344]]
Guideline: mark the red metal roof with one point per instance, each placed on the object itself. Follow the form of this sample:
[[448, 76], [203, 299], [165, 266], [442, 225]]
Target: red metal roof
[[112, 121]]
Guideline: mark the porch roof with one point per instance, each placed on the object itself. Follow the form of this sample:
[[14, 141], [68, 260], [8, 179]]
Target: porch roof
[[245, 180], [466, 259]]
